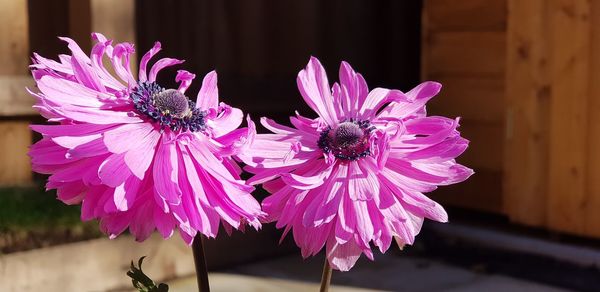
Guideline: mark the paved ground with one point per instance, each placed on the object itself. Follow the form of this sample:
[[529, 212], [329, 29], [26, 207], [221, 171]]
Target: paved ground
[[390, 272]]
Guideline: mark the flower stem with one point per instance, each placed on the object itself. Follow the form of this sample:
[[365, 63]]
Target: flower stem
[[200, 262], [326, 278]]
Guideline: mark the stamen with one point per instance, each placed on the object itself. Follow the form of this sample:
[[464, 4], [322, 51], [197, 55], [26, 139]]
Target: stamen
[[348, 141], [347, 134], [168, 107], [172, 102]]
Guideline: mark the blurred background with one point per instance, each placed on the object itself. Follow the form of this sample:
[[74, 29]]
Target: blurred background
[[519, 73]]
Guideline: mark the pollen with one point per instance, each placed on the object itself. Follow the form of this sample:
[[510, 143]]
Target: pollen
[[347, 141], [347, 134], [168, 107], [172, 102]]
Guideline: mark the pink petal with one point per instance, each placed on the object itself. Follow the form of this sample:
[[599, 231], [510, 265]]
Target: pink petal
[[85, 75], [139, 158], [415, 106], [314, 87], [126, 193], [113, 171], [125, 137], [362, 182], [120, 62], [145, 59], [165, 173], [185, 79], [61, 91], [353, 90], [275, 127], [73, 130], [208, 96], [318, 173], [364, 225], [161, 64], [228, 120], [96, 116], [376, 99], [342, 256]]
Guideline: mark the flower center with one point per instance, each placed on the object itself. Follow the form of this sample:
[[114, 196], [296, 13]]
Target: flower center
[[347, 134], [168, 107], [172, 102], [347, 141]]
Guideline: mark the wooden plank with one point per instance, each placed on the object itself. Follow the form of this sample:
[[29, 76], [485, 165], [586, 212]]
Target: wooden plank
[[114, 18], [470, 54], [473, 99], [14, 162], [115, 24], [592, 216], [485, 149], [527, 102], [79, 23], [15, 100], [466, 15], [14, 47], [15, 137], [463, 47], [570, 43]]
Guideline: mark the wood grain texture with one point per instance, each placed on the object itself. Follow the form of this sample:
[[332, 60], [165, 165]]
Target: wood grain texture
[[116, 24], [14, 47], [475, 99], [465, 54], [463, 47], [466, 15], [570, 69], [15, 138], [485, 148], [15, 100], [114, 18], [592, 204], [528, 104]]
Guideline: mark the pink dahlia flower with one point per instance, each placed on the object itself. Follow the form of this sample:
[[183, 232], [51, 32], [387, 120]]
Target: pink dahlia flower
[[135, 154], [356, 174]]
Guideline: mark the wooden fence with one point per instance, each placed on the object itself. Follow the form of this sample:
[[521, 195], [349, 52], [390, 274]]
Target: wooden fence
[[16, 113], [15, 136], [521, 73], [463, 47]]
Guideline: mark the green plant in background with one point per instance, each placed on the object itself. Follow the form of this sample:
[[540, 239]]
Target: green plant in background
[[31, 218], [33, 208], [142, 282]]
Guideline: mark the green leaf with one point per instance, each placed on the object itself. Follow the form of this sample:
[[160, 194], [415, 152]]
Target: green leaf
[[141, 281]]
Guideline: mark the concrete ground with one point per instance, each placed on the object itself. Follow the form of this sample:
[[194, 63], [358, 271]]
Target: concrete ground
[[390, 272]]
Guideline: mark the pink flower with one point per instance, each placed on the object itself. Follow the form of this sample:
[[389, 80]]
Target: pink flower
[[135, 154], [357, 173]]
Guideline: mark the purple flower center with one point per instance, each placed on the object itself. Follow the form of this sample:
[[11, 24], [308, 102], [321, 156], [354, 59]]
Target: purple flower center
[[347, 134], [347, 141], [172, 102], [168, 107]]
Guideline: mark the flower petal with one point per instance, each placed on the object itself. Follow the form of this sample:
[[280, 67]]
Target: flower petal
[[314, 87], [208, 96]]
